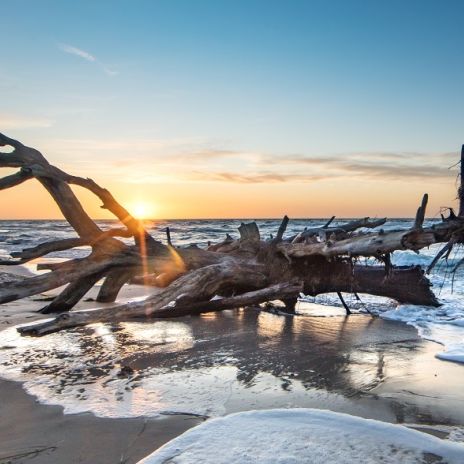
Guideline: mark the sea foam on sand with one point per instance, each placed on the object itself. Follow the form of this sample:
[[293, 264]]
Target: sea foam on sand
[[313, 436], [443, 324]]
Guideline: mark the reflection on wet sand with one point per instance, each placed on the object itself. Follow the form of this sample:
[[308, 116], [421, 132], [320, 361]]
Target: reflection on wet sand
[[234, 360]]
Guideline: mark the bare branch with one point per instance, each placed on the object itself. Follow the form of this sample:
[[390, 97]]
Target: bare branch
[[72, 294], [152, 309], [15, 179], [420, 215], [282, 229]]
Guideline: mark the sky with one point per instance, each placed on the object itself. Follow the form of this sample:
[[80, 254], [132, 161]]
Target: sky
[[218, 109]]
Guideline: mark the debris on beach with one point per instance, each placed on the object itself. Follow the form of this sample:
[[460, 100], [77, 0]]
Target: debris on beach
[[234, 273]]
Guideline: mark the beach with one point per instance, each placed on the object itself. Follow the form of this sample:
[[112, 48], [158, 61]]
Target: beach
[[232, 232], [32, 432], [114, 393], [39, 433]]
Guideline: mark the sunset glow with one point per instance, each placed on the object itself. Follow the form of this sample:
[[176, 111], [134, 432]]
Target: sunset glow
[[142, 210], [237, 220], [235, 119]]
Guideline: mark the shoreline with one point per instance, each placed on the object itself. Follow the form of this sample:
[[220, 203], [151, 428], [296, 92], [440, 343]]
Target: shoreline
[[363, 366], [45, 435]]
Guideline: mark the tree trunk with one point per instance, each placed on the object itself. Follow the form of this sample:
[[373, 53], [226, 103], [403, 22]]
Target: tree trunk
[[229, 274]]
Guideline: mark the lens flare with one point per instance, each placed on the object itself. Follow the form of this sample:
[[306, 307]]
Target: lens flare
[[142, 210]]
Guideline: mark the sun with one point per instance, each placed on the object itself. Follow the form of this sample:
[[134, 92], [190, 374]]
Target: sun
[[141, 210]]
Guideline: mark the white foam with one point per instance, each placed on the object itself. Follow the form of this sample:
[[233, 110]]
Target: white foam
[[444, 325], [303, 436], [62, 369]]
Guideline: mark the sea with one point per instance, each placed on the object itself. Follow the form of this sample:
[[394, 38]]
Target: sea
[[444, 325], [237, 360]]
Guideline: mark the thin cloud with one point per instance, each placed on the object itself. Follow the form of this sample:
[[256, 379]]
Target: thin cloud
[[86, 56], [399, 171], [192, 160], [77, 52], [256, 178], [211, 155], [8, 122], [385, 165], [370, 166]]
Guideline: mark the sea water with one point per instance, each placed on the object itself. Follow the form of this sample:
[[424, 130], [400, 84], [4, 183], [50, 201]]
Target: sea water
[[226, 362], [444, 325]]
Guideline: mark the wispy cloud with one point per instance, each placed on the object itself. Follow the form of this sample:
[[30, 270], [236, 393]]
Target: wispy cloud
[[391, 166], [388, 165], [77, 51], [193, 160], [86, 56], [253, 178], [8, 121]]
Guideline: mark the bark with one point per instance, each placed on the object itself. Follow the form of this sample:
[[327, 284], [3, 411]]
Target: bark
[[339, 231], [192, 293], [113, 283], [461, 188], [379, 243], [72, 294]]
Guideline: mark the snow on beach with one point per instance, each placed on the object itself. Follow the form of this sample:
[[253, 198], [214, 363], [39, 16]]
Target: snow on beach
[[313, 436]]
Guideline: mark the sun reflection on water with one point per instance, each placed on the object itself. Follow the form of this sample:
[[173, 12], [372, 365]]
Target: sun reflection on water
[[209, 364]]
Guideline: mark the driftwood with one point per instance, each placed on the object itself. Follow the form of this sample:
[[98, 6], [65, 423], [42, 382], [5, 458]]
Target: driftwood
[[230, 274]]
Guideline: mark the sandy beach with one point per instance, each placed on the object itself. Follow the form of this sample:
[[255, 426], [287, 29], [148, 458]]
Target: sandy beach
[[210, 365], [271, 197], [33, 432]]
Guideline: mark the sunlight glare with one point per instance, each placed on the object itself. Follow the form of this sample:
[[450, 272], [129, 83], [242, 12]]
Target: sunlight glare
[[141, 210]]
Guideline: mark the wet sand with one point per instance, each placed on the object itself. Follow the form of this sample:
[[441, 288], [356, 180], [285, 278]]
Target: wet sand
[[215, 364], [42, 434]]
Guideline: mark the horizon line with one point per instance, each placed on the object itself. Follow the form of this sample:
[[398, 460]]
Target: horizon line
[[277, 218]]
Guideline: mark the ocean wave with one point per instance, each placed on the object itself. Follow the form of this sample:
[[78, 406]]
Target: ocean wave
[[16, 235]]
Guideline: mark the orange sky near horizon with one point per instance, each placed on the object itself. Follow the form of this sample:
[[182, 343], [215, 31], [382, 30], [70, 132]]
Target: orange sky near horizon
[[237, 109], [343, 197]]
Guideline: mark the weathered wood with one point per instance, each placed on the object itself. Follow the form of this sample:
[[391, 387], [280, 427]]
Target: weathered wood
[[282, 229], [70, 207], [289, 303], [327, 224], [420, 215], [244, 271], [148, 309], [379, 243], [461, 186], [342, 229], [249, 232], [61, 245], [444, 251], [168, 236], [15, 179], [72, 294], [179, 298], [68, 271], [217, 246], [342, 300], [113, 283]]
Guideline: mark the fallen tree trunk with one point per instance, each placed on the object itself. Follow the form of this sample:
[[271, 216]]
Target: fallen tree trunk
[[152, 309], [229, 274]]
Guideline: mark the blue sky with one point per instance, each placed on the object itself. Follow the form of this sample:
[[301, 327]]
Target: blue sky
[[208, 93]]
